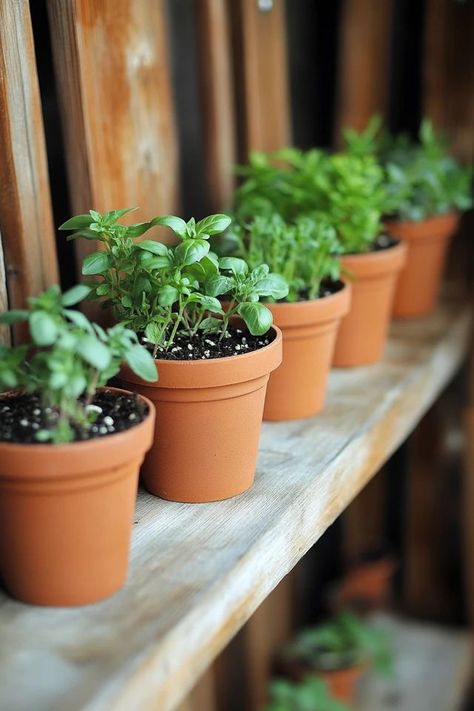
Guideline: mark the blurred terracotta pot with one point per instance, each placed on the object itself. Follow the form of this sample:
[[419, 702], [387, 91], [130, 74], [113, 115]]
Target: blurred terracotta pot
[[342, 683], [419, 283], [298, 387], [363, 332], [208, 421], [66, 515]]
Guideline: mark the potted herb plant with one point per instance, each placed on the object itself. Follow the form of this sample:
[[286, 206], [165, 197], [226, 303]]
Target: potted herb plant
[[70, 451], [427, 191], [305, 254], [338, 650], [309, 695], [213, 365]]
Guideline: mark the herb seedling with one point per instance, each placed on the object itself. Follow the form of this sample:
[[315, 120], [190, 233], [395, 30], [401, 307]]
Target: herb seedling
[[309, 695], [343, 641], [68, 359], [168, 291], [303, 252]]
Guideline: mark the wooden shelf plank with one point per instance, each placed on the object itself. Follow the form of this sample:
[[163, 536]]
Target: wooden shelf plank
[[198, 572]]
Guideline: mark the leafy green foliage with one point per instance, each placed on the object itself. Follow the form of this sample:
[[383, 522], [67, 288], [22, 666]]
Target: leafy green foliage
[[343, 641], [344, 190], [309, 695], [165, 291], [421, 178], [303, 252], [68, 358]]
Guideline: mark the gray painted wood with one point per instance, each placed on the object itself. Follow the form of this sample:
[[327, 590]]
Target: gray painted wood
[[198, 572]]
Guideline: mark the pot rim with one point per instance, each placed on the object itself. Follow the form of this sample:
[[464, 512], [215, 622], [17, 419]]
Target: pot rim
[[112, 438], [449, 215], [378, 263], [313, 311]]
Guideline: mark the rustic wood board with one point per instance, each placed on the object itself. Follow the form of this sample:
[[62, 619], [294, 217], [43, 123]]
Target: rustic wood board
[[198, 572], [432, 666]]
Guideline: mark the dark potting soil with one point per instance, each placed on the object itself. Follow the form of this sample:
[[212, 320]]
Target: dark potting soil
[[22, 416], [384, 242], [328, 288], [206, 347]]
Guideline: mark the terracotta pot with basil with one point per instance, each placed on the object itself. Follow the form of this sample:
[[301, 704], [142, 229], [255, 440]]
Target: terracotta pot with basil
[[428, 190], [339, 650], [213, 364], [70, 453], [305, 253]]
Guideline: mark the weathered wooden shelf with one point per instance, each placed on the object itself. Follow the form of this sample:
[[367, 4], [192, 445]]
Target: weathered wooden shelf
[[199, 571]]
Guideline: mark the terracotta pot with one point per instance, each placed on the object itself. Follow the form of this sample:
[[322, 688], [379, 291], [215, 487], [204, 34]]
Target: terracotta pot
[[66, 514], [298, 387], [367, 585], [363, 332], [342, 683], [208, 420], [419, 282]]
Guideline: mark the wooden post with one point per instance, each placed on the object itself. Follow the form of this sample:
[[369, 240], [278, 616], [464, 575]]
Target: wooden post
[[26, 225], [113, 78]]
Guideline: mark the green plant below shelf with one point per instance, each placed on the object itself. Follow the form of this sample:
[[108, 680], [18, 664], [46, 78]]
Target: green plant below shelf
[[421, 178], [167, 291], [303, 252], [344, 641], [68, 359], [309, 695]]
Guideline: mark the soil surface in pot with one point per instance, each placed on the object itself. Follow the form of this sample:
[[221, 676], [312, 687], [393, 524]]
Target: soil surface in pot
[[383, 242], [22, 416], [328, 288], [207, 346]]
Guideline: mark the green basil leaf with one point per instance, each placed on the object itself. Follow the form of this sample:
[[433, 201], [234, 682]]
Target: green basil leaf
[[191, 251], [153, 332], [43, 328], [218, 285], [273, 285], [76, 223], [78, 319], [150, 245], [168, 295], [234, 264], [138, 229], [74, 295], [175, 223], [209, 303], [14, 315], [94, 352], [213, 224], [142, 363], [95, 263], [256, 316]]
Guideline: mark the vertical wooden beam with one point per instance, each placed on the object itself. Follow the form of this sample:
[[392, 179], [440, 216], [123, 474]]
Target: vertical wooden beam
[[363, 62], [217, 101], [26, 225], [262, 75], [364, 520], [115, 97], [202, 697]]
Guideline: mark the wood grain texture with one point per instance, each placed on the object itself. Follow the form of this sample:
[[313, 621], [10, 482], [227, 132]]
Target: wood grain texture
[[432, 665], [26, 225], [113, 78], [4, 330], [363, 63], [467, 509], [261, 76], [198, 572], [217, 101]]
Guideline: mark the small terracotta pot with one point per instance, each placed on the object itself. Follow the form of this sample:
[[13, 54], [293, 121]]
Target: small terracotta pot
[[419, 283], [363, 332], [208, 421], [66, 515], [342, 683], [298, 387], [367, 585]]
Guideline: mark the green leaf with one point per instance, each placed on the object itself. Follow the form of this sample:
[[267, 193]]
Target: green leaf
[[175, 223], [150, 245], [142, 363], [153, 332], [94, 352], [210, 325], [218, 285], [43, 328], [191, 251], [78, 222], [168, 295], [95, 263], [76, 294], [272, 285], [138, 229], [234, 264], [209, 303], [117, 214], [10, 317], [78, 319], [85, 233], [213, 225], [256, 316]]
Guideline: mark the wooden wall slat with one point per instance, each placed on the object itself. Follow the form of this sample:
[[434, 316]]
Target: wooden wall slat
[[217, 101], [261, 76], [26, 224], [114, 88], [363, 74]]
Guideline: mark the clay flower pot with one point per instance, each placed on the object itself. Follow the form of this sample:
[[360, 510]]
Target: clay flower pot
[[342, 683], [298, 387], [208, 421], [427, 241], [66, 515], [363, 332]]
